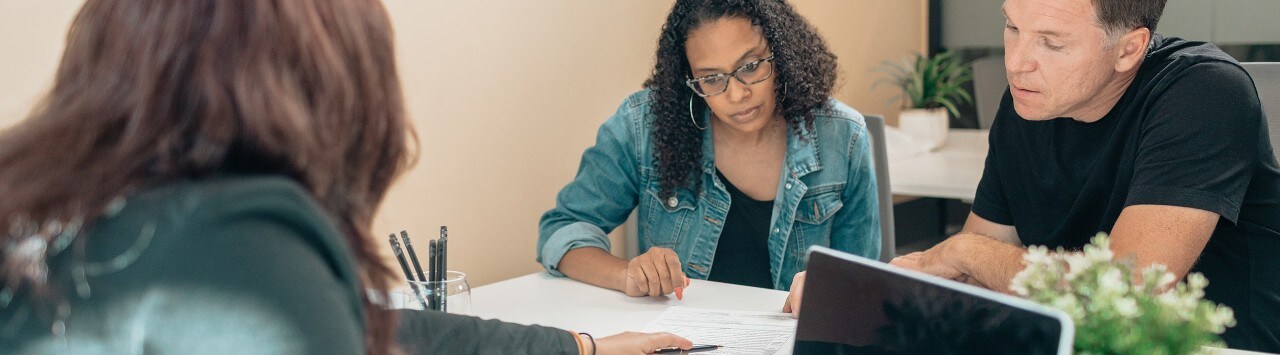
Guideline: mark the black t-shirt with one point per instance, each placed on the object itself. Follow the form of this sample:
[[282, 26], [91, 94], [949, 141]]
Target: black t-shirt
[[1190, 132], [742, 253]]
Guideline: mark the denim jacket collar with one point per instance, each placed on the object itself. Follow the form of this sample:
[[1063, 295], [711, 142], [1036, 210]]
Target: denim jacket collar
[[802, 154]]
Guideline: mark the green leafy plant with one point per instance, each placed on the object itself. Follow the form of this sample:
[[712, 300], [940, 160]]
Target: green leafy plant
[[1115, 315], [929, 83]]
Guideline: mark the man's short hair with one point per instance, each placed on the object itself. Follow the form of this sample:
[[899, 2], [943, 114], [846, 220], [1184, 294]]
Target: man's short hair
[[1120, 16]]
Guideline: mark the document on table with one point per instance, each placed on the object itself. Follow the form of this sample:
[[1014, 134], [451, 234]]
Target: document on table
[[737, 332]]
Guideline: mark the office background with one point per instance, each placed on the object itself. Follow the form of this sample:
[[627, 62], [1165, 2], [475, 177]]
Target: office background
[[505, 95]]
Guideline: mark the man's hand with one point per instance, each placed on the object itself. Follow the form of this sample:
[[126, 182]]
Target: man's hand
[[933, 261], [971, 258], [655, 273]]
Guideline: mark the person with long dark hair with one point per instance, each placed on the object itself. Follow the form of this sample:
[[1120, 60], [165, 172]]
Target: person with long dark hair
[[201, 179], [734, 154]]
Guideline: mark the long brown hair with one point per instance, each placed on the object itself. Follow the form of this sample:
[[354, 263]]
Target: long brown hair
[[155, 91]]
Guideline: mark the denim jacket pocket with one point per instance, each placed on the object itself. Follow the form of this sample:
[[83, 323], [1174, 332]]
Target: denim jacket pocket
[[817, 209], [669, 219], [813, 220]]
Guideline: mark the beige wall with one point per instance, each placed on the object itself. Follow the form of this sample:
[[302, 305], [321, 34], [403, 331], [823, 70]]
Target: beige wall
[[31, 39], [864, 33], [504, 98]]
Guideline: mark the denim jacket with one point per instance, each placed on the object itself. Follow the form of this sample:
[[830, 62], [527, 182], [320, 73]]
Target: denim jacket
[[827, 196]]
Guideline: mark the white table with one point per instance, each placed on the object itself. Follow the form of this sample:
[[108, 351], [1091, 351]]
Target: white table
[[952, 171], [540, 298]]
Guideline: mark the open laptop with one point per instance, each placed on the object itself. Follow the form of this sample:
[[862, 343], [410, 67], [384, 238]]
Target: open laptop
[[855, 305]]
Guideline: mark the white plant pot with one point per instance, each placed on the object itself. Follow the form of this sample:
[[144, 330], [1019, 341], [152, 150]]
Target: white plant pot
[[926, 126]]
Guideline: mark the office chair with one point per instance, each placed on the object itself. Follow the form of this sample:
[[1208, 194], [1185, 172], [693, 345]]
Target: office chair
[[989, 85], [880, 155]]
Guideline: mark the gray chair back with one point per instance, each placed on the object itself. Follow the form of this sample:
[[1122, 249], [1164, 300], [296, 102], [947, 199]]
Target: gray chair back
[[880, 156], [989, 84], [1266, 77]]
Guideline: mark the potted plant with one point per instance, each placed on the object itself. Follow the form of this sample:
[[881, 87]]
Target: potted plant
[[931, 87], [1116, 314]]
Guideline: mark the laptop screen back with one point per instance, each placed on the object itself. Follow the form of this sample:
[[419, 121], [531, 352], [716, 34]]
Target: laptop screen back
[[854, 305]]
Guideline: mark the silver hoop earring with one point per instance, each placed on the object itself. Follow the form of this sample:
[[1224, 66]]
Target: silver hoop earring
[[691, 118]]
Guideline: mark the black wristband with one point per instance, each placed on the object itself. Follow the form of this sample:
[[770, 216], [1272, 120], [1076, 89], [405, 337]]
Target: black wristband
[[593, 342]]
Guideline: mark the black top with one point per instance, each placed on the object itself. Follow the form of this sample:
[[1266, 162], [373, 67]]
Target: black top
[[247, 265], [742, 253], [1189, 131]]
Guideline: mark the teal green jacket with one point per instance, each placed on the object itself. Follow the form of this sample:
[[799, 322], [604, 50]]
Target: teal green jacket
[[243, 265]]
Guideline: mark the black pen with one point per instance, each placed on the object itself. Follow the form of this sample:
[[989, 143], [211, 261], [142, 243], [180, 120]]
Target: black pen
[[444, 268], [694, 349], [404, 266], [433, 274]]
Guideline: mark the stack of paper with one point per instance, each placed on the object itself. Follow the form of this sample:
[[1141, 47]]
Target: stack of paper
[[737, 332]]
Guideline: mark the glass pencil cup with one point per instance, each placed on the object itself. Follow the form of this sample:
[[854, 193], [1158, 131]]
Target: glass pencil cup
[[451, 295]]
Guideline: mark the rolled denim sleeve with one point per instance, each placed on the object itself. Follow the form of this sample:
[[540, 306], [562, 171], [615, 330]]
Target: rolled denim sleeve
[[602, 194], [856, 228]]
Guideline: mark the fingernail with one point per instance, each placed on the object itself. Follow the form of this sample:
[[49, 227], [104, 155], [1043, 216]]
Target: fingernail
[[680, 293]]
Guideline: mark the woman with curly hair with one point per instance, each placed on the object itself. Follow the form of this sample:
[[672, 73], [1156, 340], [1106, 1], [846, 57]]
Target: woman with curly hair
[[201, 179], [735, 155]]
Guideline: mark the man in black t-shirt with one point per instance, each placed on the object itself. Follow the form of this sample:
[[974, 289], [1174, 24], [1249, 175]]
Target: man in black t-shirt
[[1107, 127]]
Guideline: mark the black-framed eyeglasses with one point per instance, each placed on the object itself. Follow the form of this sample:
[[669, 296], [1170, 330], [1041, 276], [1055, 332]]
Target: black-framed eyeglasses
[[747, 74]]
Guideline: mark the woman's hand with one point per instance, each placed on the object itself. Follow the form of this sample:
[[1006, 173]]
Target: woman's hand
[[638, 343], [793, 299], [655, 273]]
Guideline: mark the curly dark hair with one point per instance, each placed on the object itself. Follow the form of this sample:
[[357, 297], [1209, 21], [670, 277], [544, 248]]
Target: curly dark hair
[[802, 64]]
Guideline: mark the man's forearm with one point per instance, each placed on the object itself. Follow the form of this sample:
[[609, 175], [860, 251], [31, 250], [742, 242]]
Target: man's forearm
[[991, 262]]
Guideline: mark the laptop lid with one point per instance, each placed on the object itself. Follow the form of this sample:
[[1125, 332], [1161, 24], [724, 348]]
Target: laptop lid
[[855, 305]]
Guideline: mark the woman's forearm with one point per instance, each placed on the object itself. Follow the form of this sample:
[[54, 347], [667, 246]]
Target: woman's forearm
[[595, 266]]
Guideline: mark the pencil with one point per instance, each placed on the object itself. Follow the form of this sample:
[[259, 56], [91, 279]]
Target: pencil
[[434, 257], [404, 266], [413, 255], [444, 268]]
